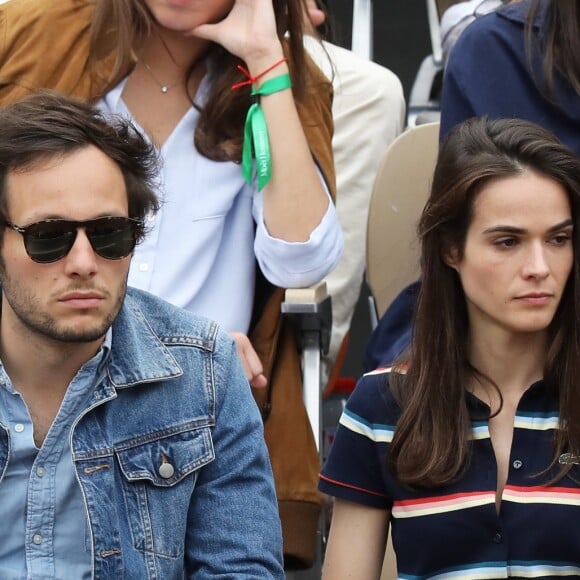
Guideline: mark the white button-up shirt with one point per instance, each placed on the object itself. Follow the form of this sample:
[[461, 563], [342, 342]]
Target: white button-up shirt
[[201, 249]]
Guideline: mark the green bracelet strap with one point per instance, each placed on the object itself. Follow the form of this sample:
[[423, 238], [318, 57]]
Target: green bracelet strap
[[256, 141]]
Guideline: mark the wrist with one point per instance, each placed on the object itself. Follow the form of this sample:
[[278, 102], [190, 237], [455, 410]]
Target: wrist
[[280, 69], [267, 74], [257, 63]]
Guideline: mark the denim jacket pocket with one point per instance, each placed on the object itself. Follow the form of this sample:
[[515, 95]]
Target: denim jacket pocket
[[159, 476]]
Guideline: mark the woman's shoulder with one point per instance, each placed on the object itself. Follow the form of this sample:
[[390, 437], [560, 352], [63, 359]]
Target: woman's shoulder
[[505, 24], [39, 31], [31, 15], [373, 398], [492, 46], [43, 44]]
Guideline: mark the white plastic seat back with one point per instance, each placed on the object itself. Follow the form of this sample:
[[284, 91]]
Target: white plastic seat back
[[399, 194]]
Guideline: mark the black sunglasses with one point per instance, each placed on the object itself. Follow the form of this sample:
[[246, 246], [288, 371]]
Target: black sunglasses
[[47, 241]]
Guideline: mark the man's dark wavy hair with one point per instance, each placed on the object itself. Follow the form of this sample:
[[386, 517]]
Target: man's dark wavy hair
[[49, 125]]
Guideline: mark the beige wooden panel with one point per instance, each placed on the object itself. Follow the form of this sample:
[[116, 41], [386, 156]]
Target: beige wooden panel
[[401, 189]]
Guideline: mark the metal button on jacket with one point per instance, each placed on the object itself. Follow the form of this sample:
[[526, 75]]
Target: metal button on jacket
[[166, 470]]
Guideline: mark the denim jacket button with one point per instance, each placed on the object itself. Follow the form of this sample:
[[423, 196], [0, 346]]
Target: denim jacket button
[[166, 470]]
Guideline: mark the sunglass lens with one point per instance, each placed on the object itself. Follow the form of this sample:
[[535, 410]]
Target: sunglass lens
[[49, 241], [112, 238]]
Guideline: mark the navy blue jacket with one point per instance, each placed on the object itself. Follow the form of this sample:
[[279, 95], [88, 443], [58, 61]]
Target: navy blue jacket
[[489, 73]]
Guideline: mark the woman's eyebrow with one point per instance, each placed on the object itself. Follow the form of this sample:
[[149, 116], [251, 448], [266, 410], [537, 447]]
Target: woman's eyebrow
[[516, 230], [565, 224]]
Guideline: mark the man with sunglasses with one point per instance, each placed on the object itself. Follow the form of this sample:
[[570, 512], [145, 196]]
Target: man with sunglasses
[[130, 445]]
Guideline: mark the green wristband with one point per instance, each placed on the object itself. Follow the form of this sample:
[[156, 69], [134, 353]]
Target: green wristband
[[256, 142]]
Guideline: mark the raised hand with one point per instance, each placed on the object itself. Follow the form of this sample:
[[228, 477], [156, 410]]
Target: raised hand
[[248, 31]]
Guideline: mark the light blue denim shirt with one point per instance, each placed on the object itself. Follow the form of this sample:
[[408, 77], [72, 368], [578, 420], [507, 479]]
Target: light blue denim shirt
[[170, 456], [40, 495]]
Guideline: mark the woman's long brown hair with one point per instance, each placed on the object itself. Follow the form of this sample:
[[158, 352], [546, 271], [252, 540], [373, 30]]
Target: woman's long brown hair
[[431, 445], [219, 133], [558, 42]]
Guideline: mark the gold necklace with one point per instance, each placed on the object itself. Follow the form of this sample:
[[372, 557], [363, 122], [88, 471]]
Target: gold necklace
[[164, 88]]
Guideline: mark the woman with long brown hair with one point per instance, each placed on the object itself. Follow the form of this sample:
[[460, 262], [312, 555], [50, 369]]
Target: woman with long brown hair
[[469, 447]]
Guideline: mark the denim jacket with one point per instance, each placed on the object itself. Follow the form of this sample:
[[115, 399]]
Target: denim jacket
[[170, 455]]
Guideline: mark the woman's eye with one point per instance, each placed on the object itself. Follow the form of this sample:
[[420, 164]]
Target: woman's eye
[[560, 239], [505, 242]]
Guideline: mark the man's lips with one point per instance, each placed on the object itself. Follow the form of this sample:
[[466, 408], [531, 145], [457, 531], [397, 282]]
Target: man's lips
[[82, 299]]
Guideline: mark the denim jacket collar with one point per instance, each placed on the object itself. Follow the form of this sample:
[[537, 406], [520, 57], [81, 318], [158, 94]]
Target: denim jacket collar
[[138, 354]]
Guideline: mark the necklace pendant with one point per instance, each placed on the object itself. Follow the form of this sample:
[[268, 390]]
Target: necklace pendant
[[164, 89]]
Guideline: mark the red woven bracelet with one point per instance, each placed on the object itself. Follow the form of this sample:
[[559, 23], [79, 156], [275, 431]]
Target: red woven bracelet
[[252, 80]]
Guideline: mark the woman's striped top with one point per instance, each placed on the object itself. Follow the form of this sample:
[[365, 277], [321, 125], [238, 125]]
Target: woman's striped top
[[455, 531]]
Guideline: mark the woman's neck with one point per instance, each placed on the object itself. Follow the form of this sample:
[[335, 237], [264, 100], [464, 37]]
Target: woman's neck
[[172, 52], [512, 361]]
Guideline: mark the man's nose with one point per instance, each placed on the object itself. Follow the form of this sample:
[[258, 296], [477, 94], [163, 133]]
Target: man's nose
[[82, 259]]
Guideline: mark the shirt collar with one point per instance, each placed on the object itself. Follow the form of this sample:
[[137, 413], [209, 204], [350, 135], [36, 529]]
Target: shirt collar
[[518, 11], [480, 410], [98, 362]]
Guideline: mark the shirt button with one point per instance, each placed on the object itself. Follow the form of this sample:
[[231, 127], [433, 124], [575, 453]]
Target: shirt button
[[166, 470], [19, 427], [40, 471], [517, 464], [37, 539], [498, 538], [144, 267]]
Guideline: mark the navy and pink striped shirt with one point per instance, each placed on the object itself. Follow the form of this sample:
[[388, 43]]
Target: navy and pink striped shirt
[[455, 531]]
